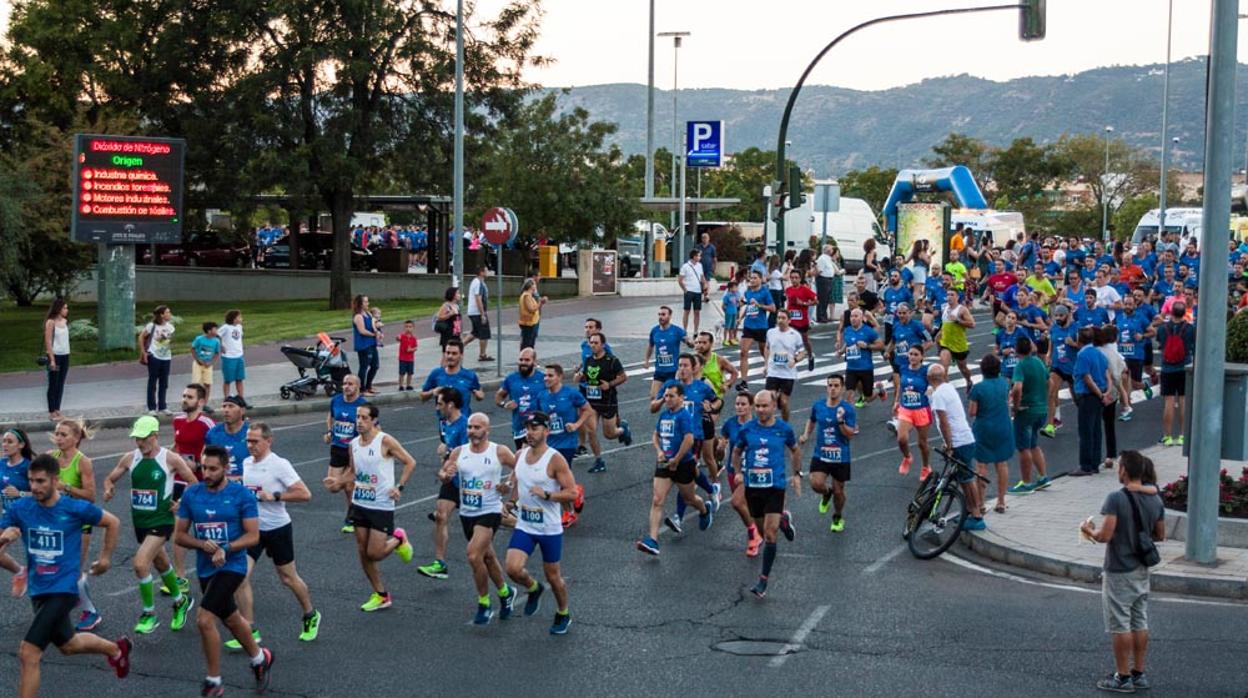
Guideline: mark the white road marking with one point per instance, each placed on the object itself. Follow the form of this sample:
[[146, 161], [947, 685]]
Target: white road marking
[[799, 637], [888, 557]]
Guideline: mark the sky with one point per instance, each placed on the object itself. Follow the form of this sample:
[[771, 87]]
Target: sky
[[752, 44]]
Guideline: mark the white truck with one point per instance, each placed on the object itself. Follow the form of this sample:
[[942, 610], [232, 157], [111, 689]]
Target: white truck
[[850, 226], [1187, 222]]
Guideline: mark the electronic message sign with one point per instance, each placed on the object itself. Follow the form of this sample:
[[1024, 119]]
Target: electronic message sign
[[127, 189]]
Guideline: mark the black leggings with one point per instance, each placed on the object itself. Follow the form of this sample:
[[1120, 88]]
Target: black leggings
[[1109, 415], [56, 382], [157, 382], [370, 362]]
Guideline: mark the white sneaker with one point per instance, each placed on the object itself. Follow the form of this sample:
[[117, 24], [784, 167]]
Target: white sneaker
[[892, 425]]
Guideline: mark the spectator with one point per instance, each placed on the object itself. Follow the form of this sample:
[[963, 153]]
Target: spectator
[[692, 281], [959, 440], [1125, 581], [364, 342], [1106, 336], [1177, 338], [156, 352], [870, 267], [1029, 394], [478, 314], [407, 355], [775, 286], [530, 314], [989, 406], [447, 322], [204, 352], [56, 347], [233, 367], [709, 256], [826, 272], [1091, 394]]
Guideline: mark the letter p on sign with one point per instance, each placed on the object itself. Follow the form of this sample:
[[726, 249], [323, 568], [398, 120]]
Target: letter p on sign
[[704, 143]]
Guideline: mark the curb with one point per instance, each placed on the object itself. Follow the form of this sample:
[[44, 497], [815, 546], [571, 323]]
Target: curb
[[1165, 582], [284, 407]]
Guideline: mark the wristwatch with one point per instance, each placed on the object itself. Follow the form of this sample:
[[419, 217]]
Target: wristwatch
[[799, 475], [546, 496], [400, 487], [277, 496]]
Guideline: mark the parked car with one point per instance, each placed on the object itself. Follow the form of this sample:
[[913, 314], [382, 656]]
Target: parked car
[[315, 252], [201, 248]]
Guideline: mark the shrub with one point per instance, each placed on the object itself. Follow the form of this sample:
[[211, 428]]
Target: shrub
[[1232, 494], [1237, 339], [83, 330]]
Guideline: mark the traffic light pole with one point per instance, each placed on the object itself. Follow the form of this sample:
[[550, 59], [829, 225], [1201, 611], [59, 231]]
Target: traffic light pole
[[780, 188]]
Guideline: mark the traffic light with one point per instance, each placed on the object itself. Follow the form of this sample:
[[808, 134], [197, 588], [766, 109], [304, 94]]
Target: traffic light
[[794, 187], [1031, 20]]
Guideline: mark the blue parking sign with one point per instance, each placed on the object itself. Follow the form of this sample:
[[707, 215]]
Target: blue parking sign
[[704, 142]]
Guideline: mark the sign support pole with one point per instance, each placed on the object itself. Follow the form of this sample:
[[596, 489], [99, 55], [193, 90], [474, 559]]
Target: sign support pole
[[115, 291], [498, 313]]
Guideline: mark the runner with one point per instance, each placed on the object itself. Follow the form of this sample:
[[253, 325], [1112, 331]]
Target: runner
[[232, 434], [783, 351], [743, 406], [1064, 344], [479, 466], [592, 326], [600, 375], [541, 482], [699, 399], [151, 468], [673, 442], [218, 518], [77, 480], [907, 332], [759, 453], [453, 433], [452, 374], [339, 430], [1134, 329], [756, 303], [15, 484], [566, 412], [190, 429], [520, 392], [893, 296], [834, 423], [913, 411], [717, 370], [956, 319], [50, 526], [857, 341], [664, 345], [374, 492], [275, 483], [799, 299]]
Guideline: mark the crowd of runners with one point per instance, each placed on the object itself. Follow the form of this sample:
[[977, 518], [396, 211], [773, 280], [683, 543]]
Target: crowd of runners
[[1084, 325]]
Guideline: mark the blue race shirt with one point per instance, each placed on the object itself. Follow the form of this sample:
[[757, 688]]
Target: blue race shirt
[[1061, 353], [729, 431], [1085, 316], [672, 428], [206, 348], [563, 408], [756, 319], [525, 392], [464, 380], [831, 446], [764, 452], [1031, 314], [857, 358], [894, 297], [454, 434], [906, 335], [1148, 263], [1128, 327], [15, 475], [235, 443], [1052, 269], [53, 538], [694, 394], [1010, 297], [1193, 263], [342, 415], [1074, 258], [1090, 362], [1165, 288], [1006, 343], [218, 516], [666, 343], [1105, 259], [913, 387]]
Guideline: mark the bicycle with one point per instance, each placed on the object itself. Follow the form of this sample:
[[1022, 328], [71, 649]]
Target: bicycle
[[935, 515]]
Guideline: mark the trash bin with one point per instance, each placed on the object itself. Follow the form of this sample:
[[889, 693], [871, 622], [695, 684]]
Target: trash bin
[[548, 261], [394, 260], [660, 250]]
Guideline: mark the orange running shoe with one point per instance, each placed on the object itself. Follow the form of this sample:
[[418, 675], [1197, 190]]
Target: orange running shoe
[[904, 468], [925, 472], [580, 499], [569, 518]]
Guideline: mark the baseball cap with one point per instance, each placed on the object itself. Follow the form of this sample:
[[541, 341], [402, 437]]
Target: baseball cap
[[144, 427], [236, 400], [1060, 311], [539, 419]]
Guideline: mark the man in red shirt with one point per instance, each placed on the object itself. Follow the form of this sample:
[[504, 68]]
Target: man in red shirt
[[799, 299], [1132, 274], [998, 283], [189, 430], [407, 355]]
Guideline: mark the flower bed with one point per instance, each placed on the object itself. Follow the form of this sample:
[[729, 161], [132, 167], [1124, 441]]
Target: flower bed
[[1232, 494]]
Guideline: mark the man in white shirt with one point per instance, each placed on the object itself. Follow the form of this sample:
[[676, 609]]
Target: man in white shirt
[[784, 349], [693, 283], [950, 416], [1107, 296], [274, 481], [478, 297], [826, 269]]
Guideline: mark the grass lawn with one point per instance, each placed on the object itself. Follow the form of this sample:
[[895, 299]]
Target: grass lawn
[[263, 321]]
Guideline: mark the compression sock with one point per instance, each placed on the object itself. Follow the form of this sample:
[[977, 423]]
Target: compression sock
[[681, 506], [147, 593], [533, 587], [170, 578], [769, 557], [703, 482], [84, 595], [504, 591], [258, 659], [483, 600]]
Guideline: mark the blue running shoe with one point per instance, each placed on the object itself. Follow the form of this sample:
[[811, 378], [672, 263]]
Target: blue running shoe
[[974, 523], [1023, 487], [760, 589], [705, 520], [599, 466], [507, 603], [563, 621], [647, 545], [484, 614], [533, 603], [712, 502], [626, 434], [1042, 483]]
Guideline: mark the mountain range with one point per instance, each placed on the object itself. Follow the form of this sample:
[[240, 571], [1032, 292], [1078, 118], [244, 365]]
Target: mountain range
[[835, 129]]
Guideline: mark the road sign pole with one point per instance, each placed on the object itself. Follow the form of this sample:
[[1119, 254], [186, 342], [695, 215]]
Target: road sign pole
[[115, 291], [457, 206], [680, 227], [498, 313]]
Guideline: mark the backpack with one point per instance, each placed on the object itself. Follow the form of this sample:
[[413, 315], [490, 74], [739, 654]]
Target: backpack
[[1175, 349]]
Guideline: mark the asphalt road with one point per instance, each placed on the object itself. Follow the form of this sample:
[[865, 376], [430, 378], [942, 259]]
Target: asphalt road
[[860, 615]]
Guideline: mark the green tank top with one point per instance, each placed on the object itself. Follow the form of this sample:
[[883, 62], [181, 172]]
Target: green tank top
[[151, 490], [711, 372], [70, 475]]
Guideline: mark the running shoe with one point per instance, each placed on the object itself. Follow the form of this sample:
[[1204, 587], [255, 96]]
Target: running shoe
[[1126, 415], [579, 502], [533, 602], [208, 688], [1057, 421], [436, 569], [1148, 392], [348, 527], [860, 403], [184, 585], [824, 501], [646, 545], [892, 425], [581, 451], [838, 524], [925, 472], [1023, 487], [180, 609], [569, 518], [974, 523], [507, 604], [904, 468], [599, 466], [786, 526], [235, 646], [1140, 681], [88, 621], [1167, 440], [760, 588], [1178, 441], [376, 602], [715, 494], [741, 386], [1049, 430], [263, 670], [751, 548], [19, 584], [484, 614], [404, 548], [673, 523], [1116, 684], [705, 520], [121, 663], [147, 623], [810, 363], [563, 621], [311, 627], [712, 503], [1042, 483], [626, 434]]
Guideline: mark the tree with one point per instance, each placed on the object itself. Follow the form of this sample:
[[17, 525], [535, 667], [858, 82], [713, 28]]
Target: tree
[[1130, 172], [872, 185], [961, 149], [1022, 173], [1129, 214]]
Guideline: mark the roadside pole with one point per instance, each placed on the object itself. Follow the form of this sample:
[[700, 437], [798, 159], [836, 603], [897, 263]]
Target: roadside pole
[[498, 312]]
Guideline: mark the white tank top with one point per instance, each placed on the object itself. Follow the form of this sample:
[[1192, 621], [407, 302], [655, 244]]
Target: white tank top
[[536, 515], [60, 340], [374, 475], [479, 475]]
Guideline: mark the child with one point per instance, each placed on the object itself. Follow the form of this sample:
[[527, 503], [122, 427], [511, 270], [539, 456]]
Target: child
[[233, 368], [731, 303], [204, 350], [407, 355], [376, 313]]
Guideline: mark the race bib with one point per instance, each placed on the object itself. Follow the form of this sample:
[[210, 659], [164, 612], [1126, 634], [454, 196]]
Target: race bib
[[525, 404], [143, 500], [470, 499], [344, 431], [780, 359], [593, 392], [364, 493], [556, 424], [665, 358], [831, 453], [45, 542], [751, 310], [853, 352], [215, 531], [797, 314], [759, 477], [533, 516], [910, 398], [1127, 348]]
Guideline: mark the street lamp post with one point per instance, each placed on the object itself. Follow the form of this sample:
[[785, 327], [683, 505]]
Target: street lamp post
[[457, 207], [648, 241], [1165, 113], [676, 41], [1105, 189]]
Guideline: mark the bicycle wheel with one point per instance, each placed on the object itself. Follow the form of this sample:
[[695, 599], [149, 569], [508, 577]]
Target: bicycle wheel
[[939, 521]]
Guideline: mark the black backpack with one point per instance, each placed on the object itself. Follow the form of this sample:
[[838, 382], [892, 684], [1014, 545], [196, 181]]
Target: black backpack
[[1145, 549]]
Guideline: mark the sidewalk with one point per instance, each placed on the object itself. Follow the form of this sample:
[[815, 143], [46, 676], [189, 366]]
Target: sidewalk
[[111, 395], [1039, 532]]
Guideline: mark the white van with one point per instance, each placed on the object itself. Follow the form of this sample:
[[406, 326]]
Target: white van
[[852, 225], [1004, 225], [1187, 222]]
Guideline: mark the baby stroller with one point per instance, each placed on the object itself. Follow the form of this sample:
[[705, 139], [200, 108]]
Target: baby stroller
[[327, 363]]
